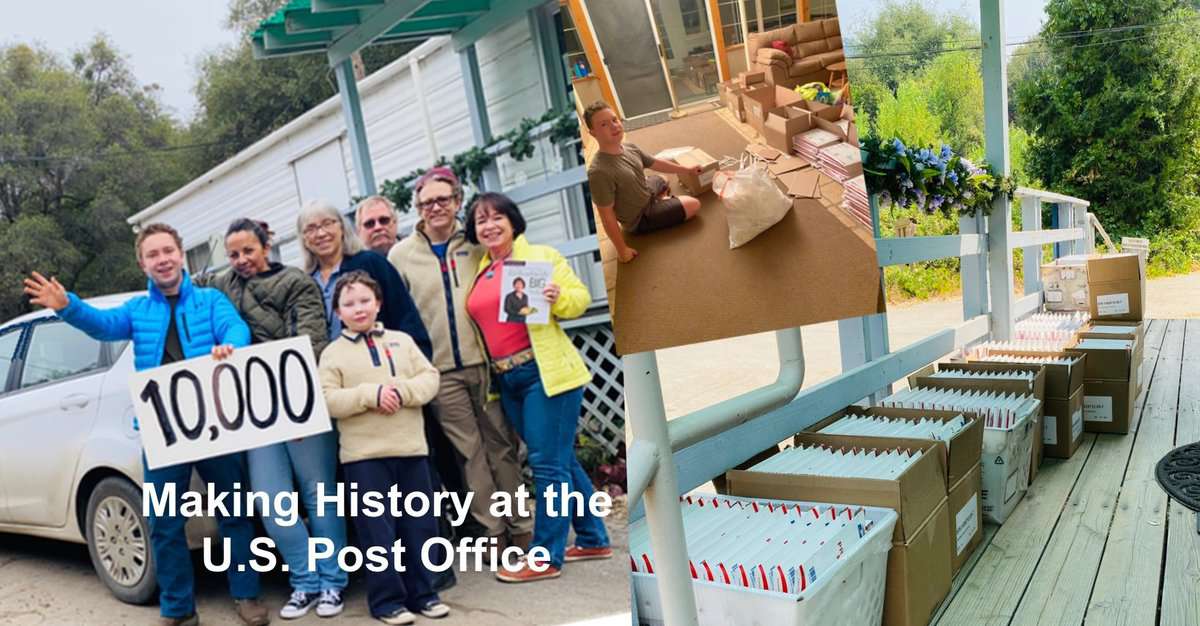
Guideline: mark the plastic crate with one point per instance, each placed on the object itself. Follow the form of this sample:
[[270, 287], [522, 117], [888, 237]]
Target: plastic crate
[[849, 591]]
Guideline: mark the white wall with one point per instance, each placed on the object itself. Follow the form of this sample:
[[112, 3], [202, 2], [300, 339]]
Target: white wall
[[261, 181]]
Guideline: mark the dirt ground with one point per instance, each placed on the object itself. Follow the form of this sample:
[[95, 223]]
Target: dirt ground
[[52, 583]]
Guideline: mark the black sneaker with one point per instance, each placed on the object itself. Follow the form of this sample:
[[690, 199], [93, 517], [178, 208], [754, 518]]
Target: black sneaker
[[435, 610], [330, 603], [298, 605]]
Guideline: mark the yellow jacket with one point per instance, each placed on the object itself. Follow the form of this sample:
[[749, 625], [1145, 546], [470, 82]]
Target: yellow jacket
[[559, 364]]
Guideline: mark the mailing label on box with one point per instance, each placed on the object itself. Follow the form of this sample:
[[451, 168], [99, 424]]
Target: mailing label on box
[[706, 178], [1066, 274], [1049, 430], [966, 522], [1054, 296], [1076, 424], [1097, 408], [1112, 304], [1080, 296]]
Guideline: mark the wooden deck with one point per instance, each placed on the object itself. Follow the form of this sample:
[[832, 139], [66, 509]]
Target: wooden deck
[[1095, 541]]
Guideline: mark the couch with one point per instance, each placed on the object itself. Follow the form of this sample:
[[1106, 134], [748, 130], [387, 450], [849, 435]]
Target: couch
[[814, 47]]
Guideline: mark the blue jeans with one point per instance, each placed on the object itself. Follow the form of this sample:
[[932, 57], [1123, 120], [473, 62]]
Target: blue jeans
[[168, 541], [548, 424], [307, 463]]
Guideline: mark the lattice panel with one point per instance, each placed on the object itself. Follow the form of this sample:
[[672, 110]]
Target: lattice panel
[[603, 416]]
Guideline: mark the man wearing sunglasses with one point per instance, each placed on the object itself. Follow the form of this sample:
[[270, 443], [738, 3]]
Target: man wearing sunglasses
[[375, 219]]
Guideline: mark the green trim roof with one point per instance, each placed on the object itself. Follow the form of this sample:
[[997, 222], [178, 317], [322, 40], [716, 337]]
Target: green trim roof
[[339, 27]]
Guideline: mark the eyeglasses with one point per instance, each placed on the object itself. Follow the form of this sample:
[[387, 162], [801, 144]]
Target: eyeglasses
[[326, 225], [382, 220], [442, 201]]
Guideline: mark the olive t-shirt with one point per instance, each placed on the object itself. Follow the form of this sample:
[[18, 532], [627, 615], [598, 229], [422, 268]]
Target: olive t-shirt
[[618, 180]]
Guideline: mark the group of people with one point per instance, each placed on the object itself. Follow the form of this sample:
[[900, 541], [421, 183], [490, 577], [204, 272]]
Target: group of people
[[410, 347]]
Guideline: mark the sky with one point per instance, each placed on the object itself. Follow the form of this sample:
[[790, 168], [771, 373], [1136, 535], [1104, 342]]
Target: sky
[[162, 39], [1022, 18]]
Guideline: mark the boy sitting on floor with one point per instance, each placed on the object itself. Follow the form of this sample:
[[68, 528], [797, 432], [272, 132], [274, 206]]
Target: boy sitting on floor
[[622, 192]]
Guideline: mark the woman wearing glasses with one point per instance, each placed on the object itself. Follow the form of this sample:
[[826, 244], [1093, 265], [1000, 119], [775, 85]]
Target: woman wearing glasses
[[437, 264], [330, 249]]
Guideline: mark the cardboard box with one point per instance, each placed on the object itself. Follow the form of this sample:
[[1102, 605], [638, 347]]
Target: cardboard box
[[1116, 287], [760, 100], [697, 184], [1065, 287], [1062, 429], [966, 518], [919, 563], [1035, 388], [1108, 405], [731, 97], [913, 495], [750, 80], [1120, 330], [1061, 380], [919, 572], [962, 455], [1107, 359], [784, 122]]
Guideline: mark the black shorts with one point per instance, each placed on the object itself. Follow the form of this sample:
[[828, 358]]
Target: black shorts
[[662, 212]]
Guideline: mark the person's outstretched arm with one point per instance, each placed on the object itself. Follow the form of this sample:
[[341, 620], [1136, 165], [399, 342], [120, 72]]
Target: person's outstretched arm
[[103, 324]]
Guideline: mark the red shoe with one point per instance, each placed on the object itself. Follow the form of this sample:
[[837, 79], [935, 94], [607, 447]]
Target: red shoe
[[575, 553], [526, 575]]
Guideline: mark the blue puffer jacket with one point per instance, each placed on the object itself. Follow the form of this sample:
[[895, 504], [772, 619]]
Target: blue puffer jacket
[[204, 318]]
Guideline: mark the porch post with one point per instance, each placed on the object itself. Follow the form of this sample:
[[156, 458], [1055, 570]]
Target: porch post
[[995, 111], [648, 422], [356, 128], [481, 127]]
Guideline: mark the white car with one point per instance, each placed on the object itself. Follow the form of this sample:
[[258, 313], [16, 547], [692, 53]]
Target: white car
[[70, 459]]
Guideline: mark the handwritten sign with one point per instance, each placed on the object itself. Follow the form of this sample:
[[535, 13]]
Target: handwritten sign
[[521, 299], [201, 408]]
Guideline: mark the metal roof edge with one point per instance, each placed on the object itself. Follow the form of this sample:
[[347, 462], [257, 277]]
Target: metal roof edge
[[368, 85]]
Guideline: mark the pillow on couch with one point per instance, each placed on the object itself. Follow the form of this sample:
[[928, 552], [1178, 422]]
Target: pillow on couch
[[782, 46]]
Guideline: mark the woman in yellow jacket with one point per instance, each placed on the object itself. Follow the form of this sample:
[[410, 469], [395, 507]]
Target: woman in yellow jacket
[[541, 377]]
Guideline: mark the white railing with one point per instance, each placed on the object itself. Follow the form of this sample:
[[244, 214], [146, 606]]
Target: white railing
[[706, 443]]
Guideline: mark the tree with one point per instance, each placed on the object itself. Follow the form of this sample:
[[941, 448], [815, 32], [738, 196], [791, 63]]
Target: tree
[[904, 37], [243, 99], [1116, 115], [81, 147]]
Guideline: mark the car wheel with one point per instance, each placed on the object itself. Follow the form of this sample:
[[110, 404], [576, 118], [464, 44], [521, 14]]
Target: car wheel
[[118, 539]]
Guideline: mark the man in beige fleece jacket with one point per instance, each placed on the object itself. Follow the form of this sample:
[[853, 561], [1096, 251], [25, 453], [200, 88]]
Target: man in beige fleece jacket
[[438, 265]]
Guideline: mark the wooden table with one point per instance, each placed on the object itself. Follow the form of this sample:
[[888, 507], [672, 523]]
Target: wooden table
[[836, 69]]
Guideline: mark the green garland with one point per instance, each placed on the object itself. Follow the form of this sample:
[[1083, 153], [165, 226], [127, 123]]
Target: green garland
[[470, 164]]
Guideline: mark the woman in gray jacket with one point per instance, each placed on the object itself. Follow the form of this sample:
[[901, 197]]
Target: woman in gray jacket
[[278, 302]]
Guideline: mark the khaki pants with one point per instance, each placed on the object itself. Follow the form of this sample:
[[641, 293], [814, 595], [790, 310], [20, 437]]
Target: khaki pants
[[486, 442]]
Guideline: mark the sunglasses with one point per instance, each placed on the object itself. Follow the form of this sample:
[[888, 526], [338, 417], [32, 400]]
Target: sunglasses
[[382, 220]]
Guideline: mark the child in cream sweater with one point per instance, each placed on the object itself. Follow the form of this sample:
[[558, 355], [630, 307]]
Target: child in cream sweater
[[375, 382]]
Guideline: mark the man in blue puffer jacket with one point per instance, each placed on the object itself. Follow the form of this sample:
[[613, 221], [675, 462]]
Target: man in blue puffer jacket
[[172, 322]]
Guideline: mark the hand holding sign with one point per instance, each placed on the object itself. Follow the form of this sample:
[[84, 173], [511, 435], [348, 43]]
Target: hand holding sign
[[202, 407]]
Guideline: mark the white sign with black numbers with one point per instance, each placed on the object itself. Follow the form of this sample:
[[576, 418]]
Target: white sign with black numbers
[[201, 407]]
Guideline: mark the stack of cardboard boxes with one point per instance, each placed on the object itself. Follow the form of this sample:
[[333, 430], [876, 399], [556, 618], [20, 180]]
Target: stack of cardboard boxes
[[1111, 376], [937, 499]]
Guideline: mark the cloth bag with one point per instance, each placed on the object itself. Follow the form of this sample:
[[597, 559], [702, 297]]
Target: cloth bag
[[753, 203]]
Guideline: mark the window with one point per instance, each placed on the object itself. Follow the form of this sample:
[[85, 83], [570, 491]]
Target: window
[[822, 9], [573, 52], [731, 19], [777, 14], [199, 258], [57, 351], [9, 338], [694, 18]]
